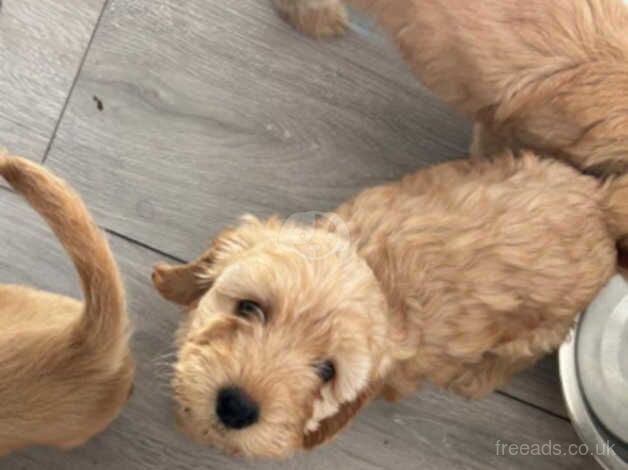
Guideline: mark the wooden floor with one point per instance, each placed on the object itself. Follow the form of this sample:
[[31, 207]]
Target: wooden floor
[[175, 117]]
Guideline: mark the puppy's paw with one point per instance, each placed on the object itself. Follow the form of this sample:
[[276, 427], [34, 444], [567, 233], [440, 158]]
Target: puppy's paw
[[317, 18]]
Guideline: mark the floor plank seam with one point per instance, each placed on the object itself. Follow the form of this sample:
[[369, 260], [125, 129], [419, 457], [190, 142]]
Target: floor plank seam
[[143, 245], [74, 81], [540, 408], [123, 237]]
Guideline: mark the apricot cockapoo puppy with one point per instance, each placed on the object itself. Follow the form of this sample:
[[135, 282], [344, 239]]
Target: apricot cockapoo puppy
[[548, 76], [461, 274], [66, 366]]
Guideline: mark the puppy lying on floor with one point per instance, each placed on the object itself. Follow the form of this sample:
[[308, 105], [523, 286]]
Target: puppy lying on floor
[[461, 274], [65, 366], [550, 76]]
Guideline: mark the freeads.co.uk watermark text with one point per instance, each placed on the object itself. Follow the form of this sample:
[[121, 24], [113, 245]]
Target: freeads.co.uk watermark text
[[550, 448]]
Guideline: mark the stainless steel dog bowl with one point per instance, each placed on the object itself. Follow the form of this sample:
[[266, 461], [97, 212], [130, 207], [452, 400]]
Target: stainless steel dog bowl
[[594, 376]]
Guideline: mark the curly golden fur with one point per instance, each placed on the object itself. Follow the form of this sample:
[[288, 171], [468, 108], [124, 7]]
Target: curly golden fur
[[549, 76], [461, 274], [66, 367]]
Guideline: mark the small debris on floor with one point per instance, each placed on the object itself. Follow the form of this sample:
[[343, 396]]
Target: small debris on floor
[[98, 101]]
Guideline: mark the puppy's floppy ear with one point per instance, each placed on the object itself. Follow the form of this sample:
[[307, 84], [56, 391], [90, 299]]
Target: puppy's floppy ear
[[330, 426], [183, 284], [187, 283]]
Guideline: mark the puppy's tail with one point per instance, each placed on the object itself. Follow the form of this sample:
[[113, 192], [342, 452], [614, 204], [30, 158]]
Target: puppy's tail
[[104, 318]]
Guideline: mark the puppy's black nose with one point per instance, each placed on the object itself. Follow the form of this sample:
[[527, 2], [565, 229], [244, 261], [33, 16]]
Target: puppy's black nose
[[236, 409]]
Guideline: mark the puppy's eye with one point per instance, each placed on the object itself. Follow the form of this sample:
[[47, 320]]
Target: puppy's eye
[[326, 371], [250, 309]]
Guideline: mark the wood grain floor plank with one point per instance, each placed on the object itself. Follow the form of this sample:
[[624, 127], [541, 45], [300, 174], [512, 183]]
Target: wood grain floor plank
[[42, 43], [432, 430], [212, 110]]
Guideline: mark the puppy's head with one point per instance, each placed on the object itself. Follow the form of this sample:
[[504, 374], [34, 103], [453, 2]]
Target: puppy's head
[[283, 345]]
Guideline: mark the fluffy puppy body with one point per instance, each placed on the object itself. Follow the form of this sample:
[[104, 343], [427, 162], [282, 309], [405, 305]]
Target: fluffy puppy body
[[65, 365], [549, 76], [461, 274]]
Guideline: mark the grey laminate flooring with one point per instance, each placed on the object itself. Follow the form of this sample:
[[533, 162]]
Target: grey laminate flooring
[[210, 109]]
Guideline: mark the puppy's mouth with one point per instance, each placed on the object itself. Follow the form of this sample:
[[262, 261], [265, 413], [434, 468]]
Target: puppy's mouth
[[211, 434], [201, 429]]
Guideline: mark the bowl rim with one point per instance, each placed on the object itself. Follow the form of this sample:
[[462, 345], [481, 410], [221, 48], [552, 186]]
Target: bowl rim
[[577, 409]]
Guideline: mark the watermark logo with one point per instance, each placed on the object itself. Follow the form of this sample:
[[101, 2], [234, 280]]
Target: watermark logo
[[309, 242], [550, 448]]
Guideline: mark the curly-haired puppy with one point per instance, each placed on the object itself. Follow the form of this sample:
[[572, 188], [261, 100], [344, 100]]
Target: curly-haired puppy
[[65, 366], [550, 76], [461, 274]]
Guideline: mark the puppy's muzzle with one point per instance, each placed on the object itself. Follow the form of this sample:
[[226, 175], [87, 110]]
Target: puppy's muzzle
[[236, 409]]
